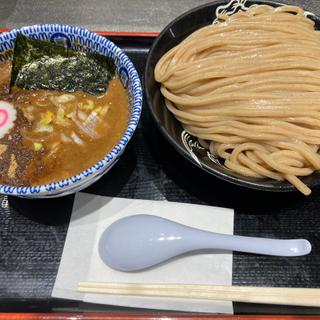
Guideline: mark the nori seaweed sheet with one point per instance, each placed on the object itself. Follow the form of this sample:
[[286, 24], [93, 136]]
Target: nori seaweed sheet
[[40, 64]]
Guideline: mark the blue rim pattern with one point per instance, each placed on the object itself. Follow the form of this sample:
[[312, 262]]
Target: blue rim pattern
[[85, 40]]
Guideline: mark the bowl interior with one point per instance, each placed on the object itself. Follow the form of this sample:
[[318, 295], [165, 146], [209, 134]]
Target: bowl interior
[[187, 145], [83, 40]]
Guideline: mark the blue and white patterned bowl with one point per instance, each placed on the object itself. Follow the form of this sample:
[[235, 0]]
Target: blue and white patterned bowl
[[80, 39]]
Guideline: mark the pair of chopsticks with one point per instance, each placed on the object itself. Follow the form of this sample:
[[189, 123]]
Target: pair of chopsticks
[[267, 295]]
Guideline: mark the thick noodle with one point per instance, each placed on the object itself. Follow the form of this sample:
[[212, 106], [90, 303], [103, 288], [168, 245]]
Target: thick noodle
[[249, 89]]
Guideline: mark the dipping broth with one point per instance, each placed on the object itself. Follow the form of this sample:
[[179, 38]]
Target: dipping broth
[[57, 135]]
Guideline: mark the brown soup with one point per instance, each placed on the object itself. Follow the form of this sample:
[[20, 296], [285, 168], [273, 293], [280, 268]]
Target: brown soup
[[57, 135]]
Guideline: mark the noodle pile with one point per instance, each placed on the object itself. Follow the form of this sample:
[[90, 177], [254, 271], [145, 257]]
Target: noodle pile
[[249, 89]]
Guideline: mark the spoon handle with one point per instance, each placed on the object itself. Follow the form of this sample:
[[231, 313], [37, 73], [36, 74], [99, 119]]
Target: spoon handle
[[274, 247]]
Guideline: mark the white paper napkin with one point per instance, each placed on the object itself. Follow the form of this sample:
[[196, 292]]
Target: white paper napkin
[[81, 262]]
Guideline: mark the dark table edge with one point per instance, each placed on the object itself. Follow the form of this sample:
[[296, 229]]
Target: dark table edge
[[107, 316]]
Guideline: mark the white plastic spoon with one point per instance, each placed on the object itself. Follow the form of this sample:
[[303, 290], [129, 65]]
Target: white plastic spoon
[[141, 241]]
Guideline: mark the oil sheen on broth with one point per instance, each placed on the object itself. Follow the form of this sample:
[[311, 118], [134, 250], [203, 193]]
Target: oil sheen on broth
[[57, 135]]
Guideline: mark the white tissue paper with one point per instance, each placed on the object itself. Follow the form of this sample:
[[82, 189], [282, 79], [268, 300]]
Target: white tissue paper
[[81, 262]]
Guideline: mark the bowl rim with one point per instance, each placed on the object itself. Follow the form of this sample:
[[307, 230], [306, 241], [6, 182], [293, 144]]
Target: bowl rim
[[85, 178], [283, 186]]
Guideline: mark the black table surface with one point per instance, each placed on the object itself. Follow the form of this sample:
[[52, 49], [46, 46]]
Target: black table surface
[[32, 232]]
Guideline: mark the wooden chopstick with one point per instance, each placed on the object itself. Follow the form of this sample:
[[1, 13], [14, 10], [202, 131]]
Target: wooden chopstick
[[285, 296]]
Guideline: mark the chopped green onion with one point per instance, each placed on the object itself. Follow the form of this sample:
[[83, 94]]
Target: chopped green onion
[[44, 128], [37, 146]]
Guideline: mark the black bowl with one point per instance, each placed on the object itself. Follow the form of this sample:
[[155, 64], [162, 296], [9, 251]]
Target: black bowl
[[185, 144]]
